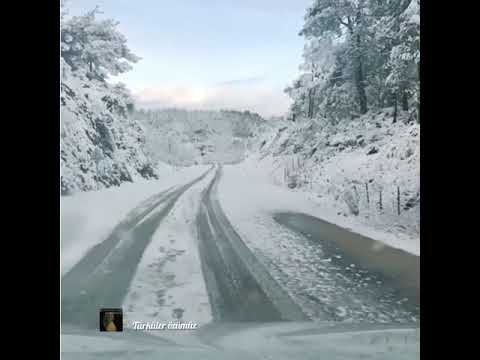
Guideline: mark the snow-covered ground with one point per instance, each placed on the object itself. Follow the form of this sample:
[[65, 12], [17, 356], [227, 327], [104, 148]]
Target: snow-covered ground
[[292, 341], [101, 145], [362, 174], [250, 198], [168, 283], [87, 218]]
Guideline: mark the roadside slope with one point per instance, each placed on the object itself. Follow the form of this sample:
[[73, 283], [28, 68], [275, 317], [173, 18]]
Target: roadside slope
[[363, 174]]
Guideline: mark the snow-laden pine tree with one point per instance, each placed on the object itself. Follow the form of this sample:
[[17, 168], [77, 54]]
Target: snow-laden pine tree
[[95, 45], [101, 145], [316, 71]]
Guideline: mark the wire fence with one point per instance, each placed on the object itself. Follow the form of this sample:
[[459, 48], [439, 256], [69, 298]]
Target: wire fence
[[360, 196]]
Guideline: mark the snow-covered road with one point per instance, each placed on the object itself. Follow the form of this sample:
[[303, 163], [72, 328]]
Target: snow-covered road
[[102, 277], [189, 253], [239, 286], [253, 341]]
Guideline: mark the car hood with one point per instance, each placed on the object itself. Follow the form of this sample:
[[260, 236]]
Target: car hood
[[246, 341]]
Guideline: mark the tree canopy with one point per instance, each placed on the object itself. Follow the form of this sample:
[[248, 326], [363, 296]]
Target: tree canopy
[[95, 46], [359, 55]]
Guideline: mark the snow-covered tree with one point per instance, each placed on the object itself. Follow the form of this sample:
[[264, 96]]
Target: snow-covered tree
[[397, 35], [404, 60], [344, 21], [101, 145], [359, 54], [298, 92], [95, 46]]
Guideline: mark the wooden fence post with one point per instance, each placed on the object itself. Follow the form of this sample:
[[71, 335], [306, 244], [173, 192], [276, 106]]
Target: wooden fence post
[[366, 191], [380, 200], [398, 200], [357, 197]]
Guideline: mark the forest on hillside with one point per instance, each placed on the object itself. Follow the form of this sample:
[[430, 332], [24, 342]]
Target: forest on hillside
[[359, 55]]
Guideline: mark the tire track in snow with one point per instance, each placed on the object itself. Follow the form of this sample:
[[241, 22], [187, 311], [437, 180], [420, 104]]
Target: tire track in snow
[[102, 277], [239, 286]]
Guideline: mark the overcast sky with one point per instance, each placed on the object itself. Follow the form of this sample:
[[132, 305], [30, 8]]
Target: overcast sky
[[209, 54]]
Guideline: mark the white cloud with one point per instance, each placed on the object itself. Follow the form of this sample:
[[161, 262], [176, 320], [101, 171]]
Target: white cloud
[[259, 98]]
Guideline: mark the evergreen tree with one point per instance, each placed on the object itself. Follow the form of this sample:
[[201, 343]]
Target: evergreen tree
[[95, 46], [359, 54], [346, 21]]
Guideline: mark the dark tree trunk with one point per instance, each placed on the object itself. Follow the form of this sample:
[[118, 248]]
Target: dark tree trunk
[[395, 107], [359, 81], [310, 103], [362, 96], [404, 101]]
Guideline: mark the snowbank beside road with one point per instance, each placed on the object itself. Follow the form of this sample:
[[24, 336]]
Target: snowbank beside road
[[250, 199], [364, 173], [249, 196], [87, 218]]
